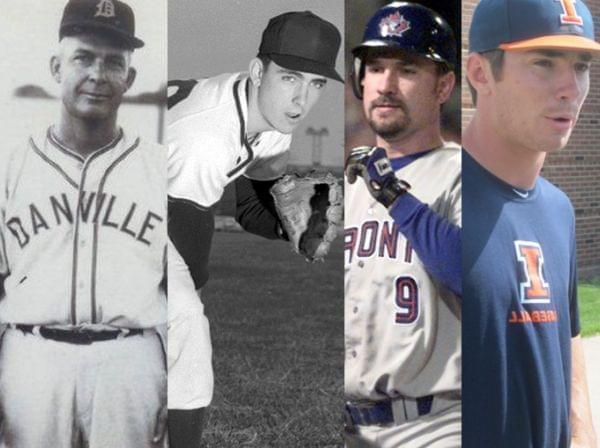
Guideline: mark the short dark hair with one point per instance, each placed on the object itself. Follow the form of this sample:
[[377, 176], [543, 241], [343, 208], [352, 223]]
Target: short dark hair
[[496, 60], [265, 59]]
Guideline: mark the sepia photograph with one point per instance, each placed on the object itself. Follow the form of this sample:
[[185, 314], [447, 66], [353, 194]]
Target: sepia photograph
[[83, 224]]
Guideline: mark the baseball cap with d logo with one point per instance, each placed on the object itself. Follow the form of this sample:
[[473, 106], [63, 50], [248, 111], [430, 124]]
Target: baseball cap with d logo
[[530, 24], [302, 41], [109, 17]]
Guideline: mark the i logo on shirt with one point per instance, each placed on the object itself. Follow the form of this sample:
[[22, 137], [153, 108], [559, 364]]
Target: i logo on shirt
[[534, 288]]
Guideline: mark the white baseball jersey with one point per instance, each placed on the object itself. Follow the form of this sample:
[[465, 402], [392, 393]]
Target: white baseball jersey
[[208, 149], [83, 241], [207, 141], [402, 328]]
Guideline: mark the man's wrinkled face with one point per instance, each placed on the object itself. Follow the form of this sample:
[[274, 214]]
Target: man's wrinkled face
[[537, 98], [94, 74], [400, 93], [286, 96]]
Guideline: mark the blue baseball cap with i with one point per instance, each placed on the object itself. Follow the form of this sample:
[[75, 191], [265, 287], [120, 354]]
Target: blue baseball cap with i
[[531, 24]]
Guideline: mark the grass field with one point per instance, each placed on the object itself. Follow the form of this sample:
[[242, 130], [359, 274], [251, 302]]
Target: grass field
[[277, 331], [589, 308]]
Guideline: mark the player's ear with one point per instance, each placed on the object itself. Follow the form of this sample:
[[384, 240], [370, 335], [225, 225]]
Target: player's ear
[[131, 74], [256, 70], [55, 68], [479, 73], [445, 84]]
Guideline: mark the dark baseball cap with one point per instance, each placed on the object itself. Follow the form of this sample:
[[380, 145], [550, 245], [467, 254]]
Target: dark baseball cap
[[531, 24], [302, 41], [108, 17]]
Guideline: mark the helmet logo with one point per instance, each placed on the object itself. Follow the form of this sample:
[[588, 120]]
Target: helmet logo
[[393, 25], [105, 8]]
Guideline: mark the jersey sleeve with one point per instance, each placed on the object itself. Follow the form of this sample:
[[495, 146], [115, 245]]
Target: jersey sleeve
[[573, 301], [4, 269], [197, 170], [455, 203], [255, 208], [271, 164], [3, 256], [434, 238]]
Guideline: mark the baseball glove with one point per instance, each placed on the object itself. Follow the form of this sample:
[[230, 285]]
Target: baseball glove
[[310, 210]]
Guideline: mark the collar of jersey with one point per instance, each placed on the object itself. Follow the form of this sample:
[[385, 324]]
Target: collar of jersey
[[243, 89], [401, 162], [506, 189], [55, 141]]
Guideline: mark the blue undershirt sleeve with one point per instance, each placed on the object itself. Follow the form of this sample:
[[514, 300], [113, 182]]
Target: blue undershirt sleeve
[[435, 239]]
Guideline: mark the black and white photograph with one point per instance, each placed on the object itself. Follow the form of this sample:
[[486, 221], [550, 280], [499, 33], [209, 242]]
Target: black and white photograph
[[83, 224], [255, 129]]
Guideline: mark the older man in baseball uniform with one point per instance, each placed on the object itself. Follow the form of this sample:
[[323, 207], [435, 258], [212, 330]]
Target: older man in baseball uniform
[[402, 240], [235, 127], [83, 232], [524, 376]]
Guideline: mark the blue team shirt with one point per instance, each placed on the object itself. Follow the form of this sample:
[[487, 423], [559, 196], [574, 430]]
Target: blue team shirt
[[519, 312]]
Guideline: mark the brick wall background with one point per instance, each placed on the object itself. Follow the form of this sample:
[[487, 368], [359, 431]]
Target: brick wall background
[[575, 169]]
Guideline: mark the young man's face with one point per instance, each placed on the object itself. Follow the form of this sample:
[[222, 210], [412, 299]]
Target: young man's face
[[93, 74], [402, 94], [537, 97], [286, 96]]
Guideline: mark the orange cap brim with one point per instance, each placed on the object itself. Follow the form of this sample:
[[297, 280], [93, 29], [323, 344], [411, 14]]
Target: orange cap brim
[[556, 41]]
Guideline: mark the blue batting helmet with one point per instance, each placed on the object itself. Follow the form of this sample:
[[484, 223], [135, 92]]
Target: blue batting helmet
[[408, 27]]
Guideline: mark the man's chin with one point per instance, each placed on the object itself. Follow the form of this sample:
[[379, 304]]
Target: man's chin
[[562, 144], [286, 128], [91, 113], [387, 130], [553, 145], [558, 142]]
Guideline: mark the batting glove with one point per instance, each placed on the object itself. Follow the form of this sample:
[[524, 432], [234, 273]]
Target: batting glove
[[376, 170]]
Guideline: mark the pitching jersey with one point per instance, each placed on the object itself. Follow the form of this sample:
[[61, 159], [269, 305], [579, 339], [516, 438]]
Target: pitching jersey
[[520, 312], [83, 241], [402, 327], [207, 140]]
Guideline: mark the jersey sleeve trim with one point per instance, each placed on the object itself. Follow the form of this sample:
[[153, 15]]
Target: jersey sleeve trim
[[4, 267], [188, 202], [184, 88]]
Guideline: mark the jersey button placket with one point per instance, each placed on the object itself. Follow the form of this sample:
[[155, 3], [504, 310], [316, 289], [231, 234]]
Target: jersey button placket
[[83, 236]]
